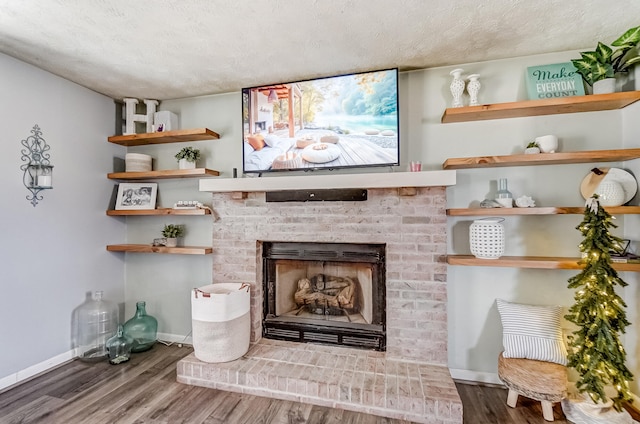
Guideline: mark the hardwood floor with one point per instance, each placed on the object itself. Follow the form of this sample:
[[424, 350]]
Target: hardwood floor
[[144, 390]]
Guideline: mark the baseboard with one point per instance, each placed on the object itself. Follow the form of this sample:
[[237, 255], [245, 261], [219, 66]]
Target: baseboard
[[47, 365], [36, 369], [475, 376]]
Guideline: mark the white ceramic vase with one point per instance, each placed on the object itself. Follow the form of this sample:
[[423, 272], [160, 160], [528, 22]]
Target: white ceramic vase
[[547, 143], [607, 85], [185, 164], [473, 87], [457, 87], [610, 193], [171, 242], [486, 238]]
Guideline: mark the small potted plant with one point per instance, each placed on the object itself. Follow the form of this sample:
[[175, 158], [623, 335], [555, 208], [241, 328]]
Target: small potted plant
[[187, 157], [532, 148], [598, 68], [171, 232]]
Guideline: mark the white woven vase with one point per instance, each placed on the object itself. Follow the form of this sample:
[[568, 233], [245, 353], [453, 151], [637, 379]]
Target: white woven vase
[[486, 238]]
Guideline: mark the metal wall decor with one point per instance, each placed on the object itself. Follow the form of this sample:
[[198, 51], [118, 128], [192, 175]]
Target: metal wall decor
[[37, 169]]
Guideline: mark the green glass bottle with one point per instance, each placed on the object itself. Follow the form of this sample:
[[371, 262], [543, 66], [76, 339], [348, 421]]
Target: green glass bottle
[[142, 328], [119, 346]]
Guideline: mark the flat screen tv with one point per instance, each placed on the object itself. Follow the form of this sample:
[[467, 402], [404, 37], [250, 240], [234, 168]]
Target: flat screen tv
[[346, 121]]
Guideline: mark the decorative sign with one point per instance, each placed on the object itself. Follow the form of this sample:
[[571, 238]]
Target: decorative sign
[[557, 80]]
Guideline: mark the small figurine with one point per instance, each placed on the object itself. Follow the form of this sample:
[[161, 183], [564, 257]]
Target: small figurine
[[525, 202]]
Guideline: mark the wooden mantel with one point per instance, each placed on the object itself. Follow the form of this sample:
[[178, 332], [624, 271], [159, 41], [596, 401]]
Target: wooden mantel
[[338, 181]]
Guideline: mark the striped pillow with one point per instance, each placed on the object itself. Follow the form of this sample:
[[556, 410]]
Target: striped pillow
[[532, 332]]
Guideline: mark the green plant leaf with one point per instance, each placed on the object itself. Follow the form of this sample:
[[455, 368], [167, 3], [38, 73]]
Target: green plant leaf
[[583, 66], [628, 63], [601, 71], [604, 53], [589, 56], [629, 38]]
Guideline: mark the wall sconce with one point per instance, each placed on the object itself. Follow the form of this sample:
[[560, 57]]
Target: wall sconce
[[273, 96], [37, 169]]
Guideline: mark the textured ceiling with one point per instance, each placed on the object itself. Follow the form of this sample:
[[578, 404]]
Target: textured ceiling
[[184, 48]]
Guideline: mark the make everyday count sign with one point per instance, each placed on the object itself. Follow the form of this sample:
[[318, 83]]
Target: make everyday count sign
[[556, 80]]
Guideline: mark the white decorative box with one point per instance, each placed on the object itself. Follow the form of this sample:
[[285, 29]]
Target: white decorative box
[[165, 121]]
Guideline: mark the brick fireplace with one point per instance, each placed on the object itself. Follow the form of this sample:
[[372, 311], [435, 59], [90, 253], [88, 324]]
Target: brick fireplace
[[410, 380]]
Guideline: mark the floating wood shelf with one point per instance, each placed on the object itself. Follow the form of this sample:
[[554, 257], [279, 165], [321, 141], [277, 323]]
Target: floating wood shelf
[[159, 211], [157, 175], [147, 248], [551, 210], [590, 103], [540, 262], [177, 136], [587, 156]]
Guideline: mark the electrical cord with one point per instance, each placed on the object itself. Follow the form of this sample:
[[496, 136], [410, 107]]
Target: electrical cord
[[180, 344]]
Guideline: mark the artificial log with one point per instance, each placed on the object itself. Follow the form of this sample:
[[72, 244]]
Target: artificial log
[[323, 294]]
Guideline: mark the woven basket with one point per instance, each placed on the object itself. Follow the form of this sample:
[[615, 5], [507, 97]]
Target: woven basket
[[486, 237], [137, 162]]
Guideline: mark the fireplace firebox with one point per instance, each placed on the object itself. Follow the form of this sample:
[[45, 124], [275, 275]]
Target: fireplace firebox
[[329, 293]]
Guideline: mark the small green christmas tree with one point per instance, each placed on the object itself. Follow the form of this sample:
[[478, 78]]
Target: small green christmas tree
[[595, 350]]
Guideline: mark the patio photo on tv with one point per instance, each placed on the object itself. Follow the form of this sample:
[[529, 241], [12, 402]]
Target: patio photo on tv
[[345, 121]]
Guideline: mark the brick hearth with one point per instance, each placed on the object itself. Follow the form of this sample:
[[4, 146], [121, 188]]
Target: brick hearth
[[353, 379], [412, 375]]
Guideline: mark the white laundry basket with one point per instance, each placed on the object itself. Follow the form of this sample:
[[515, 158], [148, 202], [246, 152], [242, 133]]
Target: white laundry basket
[[221, 321]]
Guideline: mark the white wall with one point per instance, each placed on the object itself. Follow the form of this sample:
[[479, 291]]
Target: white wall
[[54, 253]]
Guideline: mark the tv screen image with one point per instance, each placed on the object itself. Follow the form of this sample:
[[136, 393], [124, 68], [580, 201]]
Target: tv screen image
[[346, 121]]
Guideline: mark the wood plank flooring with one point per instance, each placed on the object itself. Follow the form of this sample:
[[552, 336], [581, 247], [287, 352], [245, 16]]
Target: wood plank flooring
[[144, 390]]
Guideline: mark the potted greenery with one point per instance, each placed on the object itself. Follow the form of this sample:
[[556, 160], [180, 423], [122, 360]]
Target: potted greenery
[[171, 232], [532, 148], [596, 351], [187, 157], [604, 63]]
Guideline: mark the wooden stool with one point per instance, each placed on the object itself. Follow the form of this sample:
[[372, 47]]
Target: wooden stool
[[542, 381]]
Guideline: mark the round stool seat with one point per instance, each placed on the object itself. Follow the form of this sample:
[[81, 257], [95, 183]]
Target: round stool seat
[[538, 380]]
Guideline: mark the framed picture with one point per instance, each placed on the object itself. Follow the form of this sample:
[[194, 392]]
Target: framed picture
[[136, 196]]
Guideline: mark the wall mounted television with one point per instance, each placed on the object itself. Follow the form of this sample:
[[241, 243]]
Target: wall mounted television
[[345, 121]]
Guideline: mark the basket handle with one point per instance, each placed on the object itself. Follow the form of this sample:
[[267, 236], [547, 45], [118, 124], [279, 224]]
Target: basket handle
[[205, 294]]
